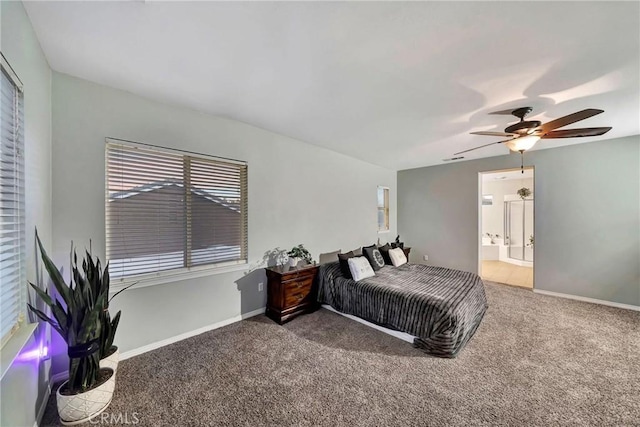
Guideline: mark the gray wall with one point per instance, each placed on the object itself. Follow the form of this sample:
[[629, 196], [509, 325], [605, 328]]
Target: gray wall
[[587, 216], [298, 193], [24, 385]]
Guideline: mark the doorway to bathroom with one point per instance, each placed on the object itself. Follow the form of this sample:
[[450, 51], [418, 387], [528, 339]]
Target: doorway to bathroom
[[506, 213]]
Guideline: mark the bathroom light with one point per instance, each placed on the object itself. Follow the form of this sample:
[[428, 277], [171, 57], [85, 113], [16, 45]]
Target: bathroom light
[[523, 143]]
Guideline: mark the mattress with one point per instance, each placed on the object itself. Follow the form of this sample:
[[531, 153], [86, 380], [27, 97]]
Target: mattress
[[441, 307]]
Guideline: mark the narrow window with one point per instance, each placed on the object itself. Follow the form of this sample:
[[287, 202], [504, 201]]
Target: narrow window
[[383, 209]]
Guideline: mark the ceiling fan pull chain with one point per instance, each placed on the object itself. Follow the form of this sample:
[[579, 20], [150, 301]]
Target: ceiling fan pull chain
[[521, 161]]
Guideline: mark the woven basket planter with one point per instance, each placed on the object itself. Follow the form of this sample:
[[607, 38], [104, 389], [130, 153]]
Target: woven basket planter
[[111, 361], [79, 408]]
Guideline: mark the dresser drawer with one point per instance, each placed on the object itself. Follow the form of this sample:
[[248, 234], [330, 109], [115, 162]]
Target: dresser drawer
[[296, 291], [292, 299], [298, 285], [300, 275]]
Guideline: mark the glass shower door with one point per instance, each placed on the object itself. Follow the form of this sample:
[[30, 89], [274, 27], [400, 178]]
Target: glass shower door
[[516, 229]]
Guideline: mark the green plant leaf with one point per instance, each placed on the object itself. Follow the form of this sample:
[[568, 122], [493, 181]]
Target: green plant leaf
[[112, 330], [44, 295], [47, 319], [57, 279]]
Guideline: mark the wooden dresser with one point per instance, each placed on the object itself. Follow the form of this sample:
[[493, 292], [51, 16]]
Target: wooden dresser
[[291, 291]]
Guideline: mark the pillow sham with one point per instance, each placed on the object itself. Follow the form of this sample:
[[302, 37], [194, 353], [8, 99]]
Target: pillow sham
[[357, 252], [384, 250], [329, 257], [344, 263], [360, 268], [373, 255], [397, 257]]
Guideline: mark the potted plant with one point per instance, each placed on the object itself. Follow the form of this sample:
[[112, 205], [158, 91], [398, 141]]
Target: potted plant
[[298, 253], [89, 389], [397, 243], [524, 192], [99, 280], [109, 353]]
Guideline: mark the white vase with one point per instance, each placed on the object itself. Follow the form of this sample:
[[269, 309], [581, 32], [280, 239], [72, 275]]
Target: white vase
[[80, 408], [111, 361], [293, 262]]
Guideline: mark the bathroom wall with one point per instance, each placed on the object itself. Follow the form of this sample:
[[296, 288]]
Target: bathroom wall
[[493, 215]]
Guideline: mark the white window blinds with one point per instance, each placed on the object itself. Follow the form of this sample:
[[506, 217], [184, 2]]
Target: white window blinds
[[168, 210], [12, 216]]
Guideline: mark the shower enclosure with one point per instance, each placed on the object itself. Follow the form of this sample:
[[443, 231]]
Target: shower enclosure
[[518, 229]]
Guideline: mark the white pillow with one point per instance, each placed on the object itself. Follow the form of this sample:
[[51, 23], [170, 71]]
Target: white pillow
[[360, 268], [397, 257]]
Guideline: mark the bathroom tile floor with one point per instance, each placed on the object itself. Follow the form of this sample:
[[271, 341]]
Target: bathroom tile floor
[[503, 272]]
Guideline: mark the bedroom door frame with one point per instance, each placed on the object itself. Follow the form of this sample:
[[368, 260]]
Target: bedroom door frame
[[479, 209]]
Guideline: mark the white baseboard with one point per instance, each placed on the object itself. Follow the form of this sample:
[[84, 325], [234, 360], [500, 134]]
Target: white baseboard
[[43, 406], [176, 338], [591, 300]]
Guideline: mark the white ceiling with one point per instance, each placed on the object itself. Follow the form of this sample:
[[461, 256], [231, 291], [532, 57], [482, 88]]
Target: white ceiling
[[395, 84]]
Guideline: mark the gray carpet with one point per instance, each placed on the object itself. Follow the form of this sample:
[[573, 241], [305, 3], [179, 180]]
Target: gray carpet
[[535, 360]]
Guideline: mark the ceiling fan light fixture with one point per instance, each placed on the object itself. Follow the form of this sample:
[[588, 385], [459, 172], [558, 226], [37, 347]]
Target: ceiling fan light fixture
[[525, 133], [523, 143]]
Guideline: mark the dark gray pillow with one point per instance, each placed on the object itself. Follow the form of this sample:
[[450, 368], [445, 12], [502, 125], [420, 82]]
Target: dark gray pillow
[[373, 255], [384, 250], [344, 263]]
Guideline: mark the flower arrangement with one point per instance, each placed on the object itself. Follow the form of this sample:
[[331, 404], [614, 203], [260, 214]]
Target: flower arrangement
[[524, 192]]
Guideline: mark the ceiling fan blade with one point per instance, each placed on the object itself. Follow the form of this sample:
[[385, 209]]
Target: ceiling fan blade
[[573, 133], [516, 111], [493, 133], [567, 120], [503, 112], [482, 146]]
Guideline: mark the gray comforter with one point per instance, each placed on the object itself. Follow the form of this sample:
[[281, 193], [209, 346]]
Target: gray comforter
[[441, 307]]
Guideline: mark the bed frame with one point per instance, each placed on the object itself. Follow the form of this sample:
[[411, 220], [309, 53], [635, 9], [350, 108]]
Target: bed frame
[[400, 335]]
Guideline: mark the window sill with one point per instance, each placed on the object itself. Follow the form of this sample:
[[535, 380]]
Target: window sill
[[164, 277], [14, 346]]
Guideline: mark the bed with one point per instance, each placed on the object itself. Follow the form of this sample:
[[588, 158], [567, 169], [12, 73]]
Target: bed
[[440, 307]]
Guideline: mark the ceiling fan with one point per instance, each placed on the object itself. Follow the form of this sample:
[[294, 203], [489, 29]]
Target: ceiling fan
[[524, 134]]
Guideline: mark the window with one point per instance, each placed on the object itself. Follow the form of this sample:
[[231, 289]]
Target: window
[[172, 210], [12, 215], [383, 209]]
